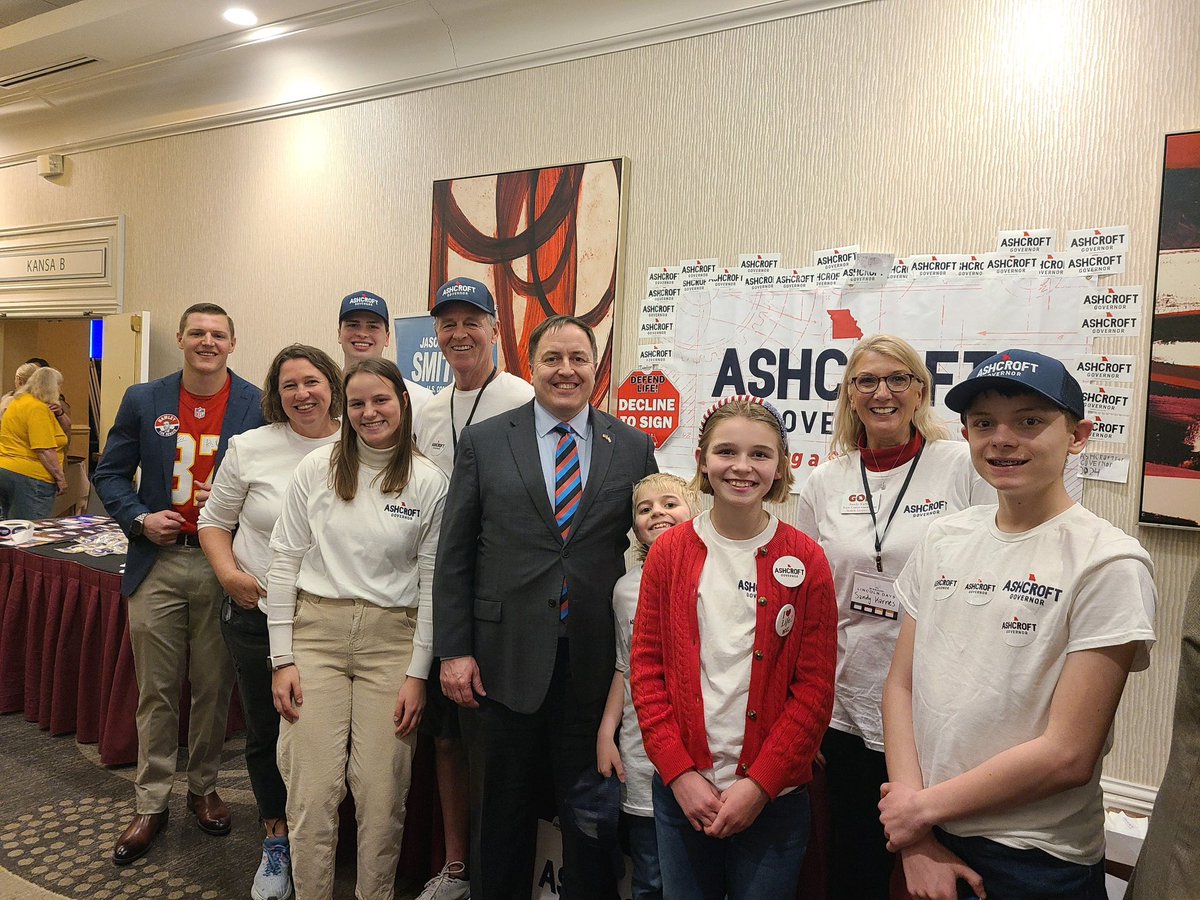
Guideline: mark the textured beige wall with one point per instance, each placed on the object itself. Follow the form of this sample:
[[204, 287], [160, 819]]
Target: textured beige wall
[[905, 125]]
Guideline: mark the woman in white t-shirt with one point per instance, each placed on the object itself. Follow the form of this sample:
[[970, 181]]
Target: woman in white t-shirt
[[895, 472], [349, 617], [303, 388]]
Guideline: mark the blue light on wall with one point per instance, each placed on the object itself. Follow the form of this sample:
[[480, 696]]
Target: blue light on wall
[[96, 340]]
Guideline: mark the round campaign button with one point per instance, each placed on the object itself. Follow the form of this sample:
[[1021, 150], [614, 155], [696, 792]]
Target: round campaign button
[[1019, 629], [789, 571], [167, 425], [944, 587], [785, 620], [978, 592]]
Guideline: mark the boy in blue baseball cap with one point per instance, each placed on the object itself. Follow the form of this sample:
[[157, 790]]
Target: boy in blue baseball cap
[[364, 332], [1023, 621], [364, 329]]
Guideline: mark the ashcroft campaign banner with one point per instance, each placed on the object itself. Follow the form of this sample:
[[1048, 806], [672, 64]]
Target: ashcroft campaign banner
[[789, 345]]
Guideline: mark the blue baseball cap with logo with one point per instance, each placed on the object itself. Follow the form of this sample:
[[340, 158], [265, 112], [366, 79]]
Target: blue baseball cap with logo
[[365, 302], [1034, 372], [464, 290]]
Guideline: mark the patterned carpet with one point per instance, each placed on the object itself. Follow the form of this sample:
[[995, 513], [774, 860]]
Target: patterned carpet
[[61, 811]]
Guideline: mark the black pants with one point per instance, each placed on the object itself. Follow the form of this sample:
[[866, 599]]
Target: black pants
[[862, 866], [245, 633], [509, 753]]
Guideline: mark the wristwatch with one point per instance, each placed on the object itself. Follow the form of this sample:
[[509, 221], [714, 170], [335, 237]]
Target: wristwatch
[[138, 528], [281, 662]]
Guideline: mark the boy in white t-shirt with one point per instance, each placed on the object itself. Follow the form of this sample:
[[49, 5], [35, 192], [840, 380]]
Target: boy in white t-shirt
[[1023, 621], [659, 501]]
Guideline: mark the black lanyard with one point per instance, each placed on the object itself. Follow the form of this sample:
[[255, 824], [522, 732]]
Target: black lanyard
[[871, 504], [474, 406]]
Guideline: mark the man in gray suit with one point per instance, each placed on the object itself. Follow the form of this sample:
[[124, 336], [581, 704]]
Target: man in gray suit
[[533, 539]]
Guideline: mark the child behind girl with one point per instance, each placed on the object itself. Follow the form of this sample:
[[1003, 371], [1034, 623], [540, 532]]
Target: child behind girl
[[659, 501], [732, 669]]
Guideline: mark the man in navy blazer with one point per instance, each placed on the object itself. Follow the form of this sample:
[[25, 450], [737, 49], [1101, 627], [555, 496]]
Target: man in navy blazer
[[176, 430], [533, 538]]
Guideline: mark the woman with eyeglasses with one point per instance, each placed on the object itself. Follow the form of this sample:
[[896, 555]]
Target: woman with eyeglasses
[[895, 470]]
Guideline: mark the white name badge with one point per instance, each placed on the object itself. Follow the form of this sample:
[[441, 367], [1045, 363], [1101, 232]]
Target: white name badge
[[789, 571], [873, 594], [856, 504]]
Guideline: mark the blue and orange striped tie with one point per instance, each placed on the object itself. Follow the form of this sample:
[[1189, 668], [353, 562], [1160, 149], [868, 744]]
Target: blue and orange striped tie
[[568, 489]]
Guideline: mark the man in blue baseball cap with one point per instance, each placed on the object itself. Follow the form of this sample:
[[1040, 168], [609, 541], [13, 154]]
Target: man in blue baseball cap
[[464, 316]]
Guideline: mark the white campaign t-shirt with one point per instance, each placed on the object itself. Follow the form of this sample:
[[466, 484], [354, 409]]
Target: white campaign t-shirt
[[433, 433], [828, 511], [996, 615], [376, 547], [726, 609], [247, 494], [419, 397], [635, 792]]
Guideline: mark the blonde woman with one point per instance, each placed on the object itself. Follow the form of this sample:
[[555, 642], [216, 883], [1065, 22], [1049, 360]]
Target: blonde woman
[[895, 473], [32, 449], [22, 375]]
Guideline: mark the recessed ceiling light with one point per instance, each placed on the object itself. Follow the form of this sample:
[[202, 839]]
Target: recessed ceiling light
[[243, 18]]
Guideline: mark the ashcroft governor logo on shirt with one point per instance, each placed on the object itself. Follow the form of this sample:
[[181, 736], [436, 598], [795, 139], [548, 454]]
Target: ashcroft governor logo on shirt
[[925, 509], [402, 510], [1030, 590]]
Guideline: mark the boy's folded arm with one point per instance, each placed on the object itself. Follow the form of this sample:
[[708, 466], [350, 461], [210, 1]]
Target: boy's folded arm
[[1061, 757]]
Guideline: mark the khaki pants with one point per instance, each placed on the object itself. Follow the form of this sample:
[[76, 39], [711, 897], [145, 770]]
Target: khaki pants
[[351, 657], [176, 608]]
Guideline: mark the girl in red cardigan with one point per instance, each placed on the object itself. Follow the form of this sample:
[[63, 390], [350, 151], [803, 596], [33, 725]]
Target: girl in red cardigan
[[732, 669]]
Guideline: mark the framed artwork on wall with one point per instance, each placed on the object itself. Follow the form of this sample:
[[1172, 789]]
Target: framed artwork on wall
[[546, 241], [1171, 462]]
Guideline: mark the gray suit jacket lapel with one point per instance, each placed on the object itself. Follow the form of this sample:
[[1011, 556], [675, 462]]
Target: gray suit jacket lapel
[[602, 454], [522, 439]]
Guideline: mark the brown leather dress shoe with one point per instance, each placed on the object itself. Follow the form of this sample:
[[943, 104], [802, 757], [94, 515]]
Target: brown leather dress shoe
[[138, 836], [212, 815]]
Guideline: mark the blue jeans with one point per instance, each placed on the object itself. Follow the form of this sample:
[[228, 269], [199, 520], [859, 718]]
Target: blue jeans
[[22, 497], [1012, 874], [643, 849], [762, 861]]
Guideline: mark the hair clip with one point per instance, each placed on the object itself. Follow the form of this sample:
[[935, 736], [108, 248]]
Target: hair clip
[[747, 398]]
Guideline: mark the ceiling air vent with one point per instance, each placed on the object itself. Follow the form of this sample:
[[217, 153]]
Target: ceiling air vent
[[19, 78]]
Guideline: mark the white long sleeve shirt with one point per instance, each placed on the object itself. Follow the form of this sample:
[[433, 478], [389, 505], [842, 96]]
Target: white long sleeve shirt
[[247, 494], [378, 548]]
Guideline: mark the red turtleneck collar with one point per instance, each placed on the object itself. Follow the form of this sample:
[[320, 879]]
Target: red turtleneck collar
[[889, 458]]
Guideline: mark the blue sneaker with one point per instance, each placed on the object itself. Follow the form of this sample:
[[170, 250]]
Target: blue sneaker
[[273, 880]]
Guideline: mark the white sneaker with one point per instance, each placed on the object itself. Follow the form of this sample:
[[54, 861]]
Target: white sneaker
[[449, 884], [273, 880]]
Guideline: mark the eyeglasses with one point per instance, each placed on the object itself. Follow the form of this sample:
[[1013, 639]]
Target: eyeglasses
[[897, 383]]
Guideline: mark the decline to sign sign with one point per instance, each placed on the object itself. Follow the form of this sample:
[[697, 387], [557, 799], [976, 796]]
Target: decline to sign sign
[[649, 402]]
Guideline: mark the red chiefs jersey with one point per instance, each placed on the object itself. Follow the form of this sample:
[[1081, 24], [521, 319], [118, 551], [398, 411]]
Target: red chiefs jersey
[[200, 420]]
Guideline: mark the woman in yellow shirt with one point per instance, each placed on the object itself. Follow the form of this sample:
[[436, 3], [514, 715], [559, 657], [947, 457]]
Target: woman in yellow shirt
[[32, 449]]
